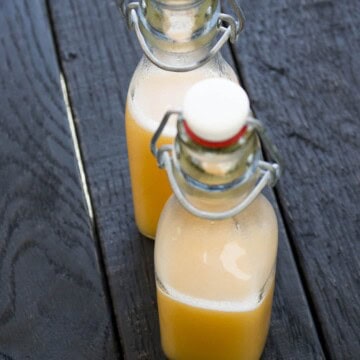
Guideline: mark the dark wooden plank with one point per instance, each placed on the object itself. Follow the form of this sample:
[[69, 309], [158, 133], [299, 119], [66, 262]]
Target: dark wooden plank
[[300, 63], [97, 69], [99, 57], [52, 303], [292, 333]]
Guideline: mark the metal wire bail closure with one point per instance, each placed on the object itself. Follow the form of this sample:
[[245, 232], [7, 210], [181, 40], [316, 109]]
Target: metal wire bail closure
[[270, 171], [230, 32]]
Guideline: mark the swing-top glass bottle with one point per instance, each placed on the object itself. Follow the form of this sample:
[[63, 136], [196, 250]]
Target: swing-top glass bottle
[[216, 244], [181, 42]]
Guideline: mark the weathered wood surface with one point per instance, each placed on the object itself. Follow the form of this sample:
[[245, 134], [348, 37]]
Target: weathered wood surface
[[98, 62], [98, 57], [291, 313], [52, 303], [300, 63]]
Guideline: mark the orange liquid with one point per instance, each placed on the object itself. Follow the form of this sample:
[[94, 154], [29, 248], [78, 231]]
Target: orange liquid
[[196, 333], [215, 282], [150, 185], [157, 92]]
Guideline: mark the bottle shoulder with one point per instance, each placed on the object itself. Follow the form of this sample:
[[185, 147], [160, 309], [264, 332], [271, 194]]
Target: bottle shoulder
[[258, 221], [154, 91], [217, 67], [259, 211]]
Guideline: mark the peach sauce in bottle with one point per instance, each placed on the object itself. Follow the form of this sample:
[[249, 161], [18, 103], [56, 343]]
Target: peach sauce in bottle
[[181, 42], [217, 238]]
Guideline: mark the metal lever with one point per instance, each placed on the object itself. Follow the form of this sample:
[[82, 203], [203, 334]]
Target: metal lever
[[270, 171], [229, 32]]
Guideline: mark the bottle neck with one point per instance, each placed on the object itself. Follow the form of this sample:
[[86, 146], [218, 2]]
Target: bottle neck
[[216, 177], [185, 28], [193, 31], [179, 26], [205, 184]]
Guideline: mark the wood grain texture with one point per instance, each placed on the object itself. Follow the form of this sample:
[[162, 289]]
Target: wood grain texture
[[99, 57], [97, 70], [292, 334], [300, 63], [52, 303]]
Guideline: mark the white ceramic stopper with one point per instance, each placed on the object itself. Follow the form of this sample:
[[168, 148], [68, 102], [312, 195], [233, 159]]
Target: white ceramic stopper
[[216, 109]]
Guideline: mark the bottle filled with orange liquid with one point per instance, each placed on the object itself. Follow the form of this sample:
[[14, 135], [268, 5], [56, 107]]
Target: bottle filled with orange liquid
[[181, 42], [217, 238]]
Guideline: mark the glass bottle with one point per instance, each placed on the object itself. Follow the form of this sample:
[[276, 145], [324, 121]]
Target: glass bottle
[[217, 238], [181, 46]]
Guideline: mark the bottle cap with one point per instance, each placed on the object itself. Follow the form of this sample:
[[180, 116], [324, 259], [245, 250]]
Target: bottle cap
[[215, 112]]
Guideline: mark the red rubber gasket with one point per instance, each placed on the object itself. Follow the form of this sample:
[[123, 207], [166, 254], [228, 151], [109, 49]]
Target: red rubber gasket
[[214, 144]]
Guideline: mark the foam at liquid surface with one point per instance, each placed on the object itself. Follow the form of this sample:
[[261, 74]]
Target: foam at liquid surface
[[247, 304]]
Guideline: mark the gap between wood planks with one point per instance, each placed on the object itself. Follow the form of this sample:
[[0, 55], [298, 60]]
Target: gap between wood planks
[[76, 148], [84, 181], [284, 216]]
